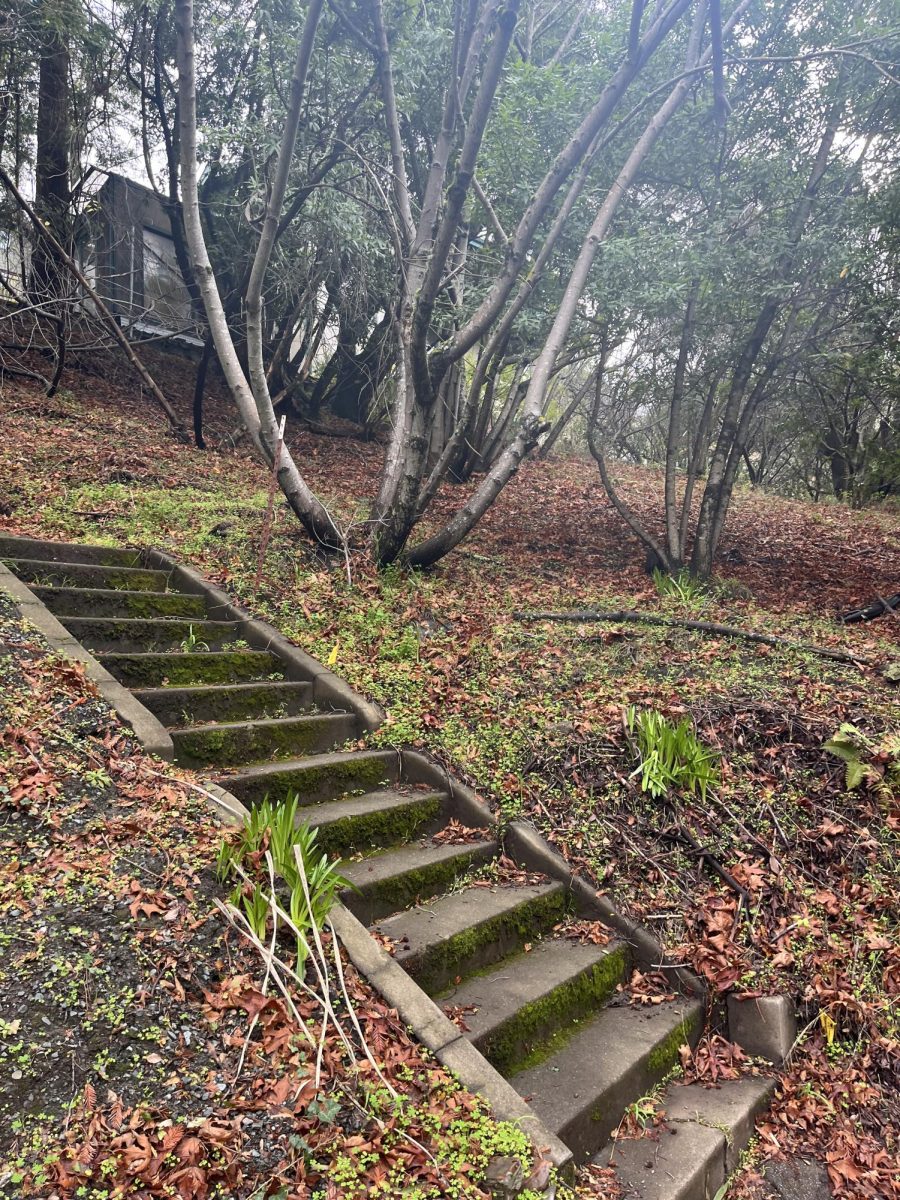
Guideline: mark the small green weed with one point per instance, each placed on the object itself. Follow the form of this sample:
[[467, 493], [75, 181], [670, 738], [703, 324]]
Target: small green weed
[[191, 644], [670, 757], [684, 587]]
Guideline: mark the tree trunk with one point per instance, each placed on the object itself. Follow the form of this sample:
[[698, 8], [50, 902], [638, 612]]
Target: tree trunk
[[52, 197]]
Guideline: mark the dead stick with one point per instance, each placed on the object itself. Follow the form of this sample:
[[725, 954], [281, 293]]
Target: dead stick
[[105, 313], [583, 616]]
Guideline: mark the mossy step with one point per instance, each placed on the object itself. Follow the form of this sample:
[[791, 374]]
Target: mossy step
[[113, 602], [355, 823], [68, 552], [237, 742], [529, 1005], [713, 1127], [396, 879], [50, 574], [154, 670], [581, 1091], [127, 634], [176, 706], [467, 931], [315, 779]]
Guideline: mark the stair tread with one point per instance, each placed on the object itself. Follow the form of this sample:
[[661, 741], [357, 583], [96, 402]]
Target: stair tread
[[42, 550], [416, 929], [194, 704], [313, 718], [136, 593], [711, 1127], [360, 806], [45, 568], [69, 600], [388, 864], [202, 690], [133, 623], [686, 1165], [499, 994], [600, 1059], [243, 652], [138, 667]]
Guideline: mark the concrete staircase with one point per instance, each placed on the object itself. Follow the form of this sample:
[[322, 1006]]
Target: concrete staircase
[[488, 944]]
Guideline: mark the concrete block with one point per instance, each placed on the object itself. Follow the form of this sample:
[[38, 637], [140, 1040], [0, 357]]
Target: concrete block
[[764, 1026]]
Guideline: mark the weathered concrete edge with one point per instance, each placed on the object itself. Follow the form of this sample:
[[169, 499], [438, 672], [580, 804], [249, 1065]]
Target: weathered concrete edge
[[152, 735], [328, 688], [438, 1034], [417, 767], [740, 1130], [526, 846]]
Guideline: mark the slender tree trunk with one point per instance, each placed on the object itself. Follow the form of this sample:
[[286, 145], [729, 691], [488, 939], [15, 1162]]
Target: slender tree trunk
[[261, 425], [657, 553], [673, 441], [52, 197], [697, 460], [532, 425], [723, 467]]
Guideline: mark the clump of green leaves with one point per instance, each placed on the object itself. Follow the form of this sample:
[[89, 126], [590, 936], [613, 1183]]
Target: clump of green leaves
[[686, 588], [867, 762], [670, 757], [274, 828]]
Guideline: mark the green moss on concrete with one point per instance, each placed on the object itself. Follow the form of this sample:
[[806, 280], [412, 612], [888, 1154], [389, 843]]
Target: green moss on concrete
[[153, 670], [151, 634], [231, 746], [165, 604], [541, 1028], [315, 784], [664, 1057], [126, 581], [467, 951], [383, 827], [402, 891], [231, 704]]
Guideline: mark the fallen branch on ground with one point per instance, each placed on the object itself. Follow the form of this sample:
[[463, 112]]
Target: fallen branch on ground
[[878, 609], [732, 631]]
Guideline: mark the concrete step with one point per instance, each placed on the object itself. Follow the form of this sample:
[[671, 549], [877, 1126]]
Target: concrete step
[[532, 1002], [315, 779], [68, 552], [202, 667], [385, 818], [117, 602], [467, 931], [397, 879], [62, 574], [706, 1130], [126, 634], [177, 707], [237, 742], [581, 1090]]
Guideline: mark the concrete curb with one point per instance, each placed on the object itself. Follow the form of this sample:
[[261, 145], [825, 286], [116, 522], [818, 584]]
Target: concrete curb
[[438, 1034], [526, 846], [152, 735], [328, 689], [416, 767]]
